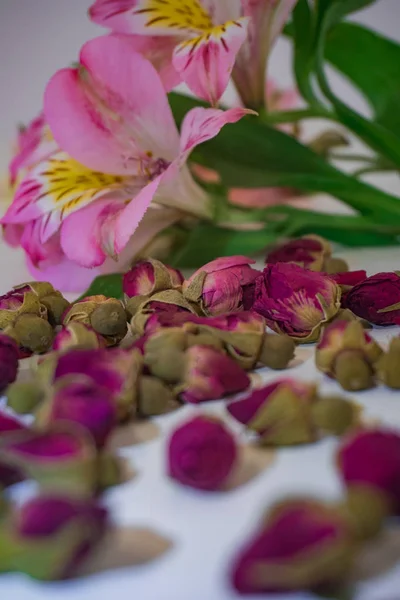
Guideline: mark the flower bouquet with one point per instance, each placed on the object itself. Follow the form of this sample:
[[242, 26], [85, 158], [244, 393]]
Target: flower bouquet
[[117, 166]]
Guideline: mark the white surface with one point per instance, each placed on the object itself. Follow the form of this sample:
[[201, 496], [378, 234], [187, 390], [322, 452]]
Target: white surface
[[207, 529], [36, 38]]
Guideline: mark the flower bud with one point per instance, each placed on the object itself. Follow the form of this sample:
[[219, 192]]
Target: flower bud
[[335, 415], [347, 353], [304, 545], [79, 336], [105, 315], [155, 397], [280, 413], [335, 266], [150, 276], [218, 286], [388, 366], [84, 402], [377, 299], [296, 301], [276, 351], [39, 288], [309, 252], [63, 458], [371, 458], [14, 304], [167, 302], [8, 361], [164, 354], [33, 333], [202, 454], [56, 306], [210, 374], [50, 536], [24, 397], [346, 281], [365, 509]]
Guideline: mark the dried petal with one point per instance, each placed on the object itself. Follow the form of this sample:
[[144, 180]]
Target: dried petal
[[309, 252], [202, 454], [78, 336]]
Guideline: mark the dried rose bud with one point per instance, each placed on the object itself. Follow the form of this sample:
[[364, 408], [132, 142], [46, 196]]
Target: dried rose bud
[[150, 276], [53, 535], [77, 335], [210, 375], [335, 415], [25, 396], [115, 369], [82, 401], [377, 299], [164, 354], [347, 353], [347, 280], [371, 458], [202, 454], [9, 354], [155, 397], [335, 266], [9, 475], [388, 366], [296, 301], [52, 300], [169, 301], [16, 303], [276, 351], [304, 545], [33, 333], [280, 413], [39, 288], [218, 285], [308, 252], [105, 315], [365, 509], [63, 458]]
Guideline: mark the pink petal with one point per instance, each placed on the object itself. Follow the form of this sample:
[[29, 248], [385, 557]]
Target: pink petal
[[205, 62], [202, 124], [112, 113], [65, 275], [226, 262]]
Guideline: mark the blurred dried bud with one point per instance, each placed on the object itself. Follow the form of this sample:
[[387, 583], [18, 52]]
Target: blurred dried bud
[[25, 397], [56, 306], [336, 415], [365, 509], [388, 366], [33, 333], [276, 351], [105, 315], [308, 252], [155, 397], [150, 276], [334, 265], [280, 413], [79, 336], [9, 364]]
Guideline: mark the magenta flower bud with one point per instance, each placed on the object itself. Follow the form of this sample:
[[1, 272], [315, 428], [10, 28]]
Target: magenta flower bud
[[55, 535], [77, 335], [377, 299], [210, 375], [296, 301], [86, 403], [17, 303], [371, 458], [150, 276], [308, 252], [218, 285], [280, 413], [346, 282], [9, 354], [304, 545], [202, 454], [61, 458]]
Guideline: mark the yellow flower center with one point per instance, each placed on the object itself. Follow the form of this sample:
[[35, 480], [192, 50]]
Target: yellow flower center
[[176, 14]]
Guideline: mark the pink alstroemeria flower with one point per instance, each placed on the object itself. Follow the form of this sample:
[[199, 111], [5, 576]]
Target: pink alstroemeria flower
[[207, 35], [120, 146]]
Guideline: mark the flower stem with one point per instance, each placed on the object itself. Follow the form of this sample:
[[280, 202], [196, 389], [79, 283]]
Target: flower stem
[[292, 116]]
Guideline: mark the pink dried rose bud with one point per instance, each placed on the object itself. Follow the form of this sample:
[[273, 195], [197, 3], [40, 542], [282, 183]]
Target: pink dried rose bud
[[303, 545], [150, 276], [348, 353], [142, 308], [202, 454], [280, 413], [115, 369], [79, 336], [63, 458], [218, 285], [371, 459], [308, 252], [54, 535], [17, 303], [51, 299], [210, 374], [296, 301], [84, 402], [377, 299], [105, 315], [9, 354]]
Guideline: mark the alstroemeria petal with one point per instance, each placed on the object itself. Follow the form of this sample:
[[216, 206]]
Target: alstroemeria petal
[[151, 17], [112, 113], [205, 62]]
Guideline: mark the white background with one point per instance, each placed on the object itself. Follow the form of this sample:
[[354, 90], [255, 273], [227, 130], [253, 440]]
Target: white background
[[36, 38]]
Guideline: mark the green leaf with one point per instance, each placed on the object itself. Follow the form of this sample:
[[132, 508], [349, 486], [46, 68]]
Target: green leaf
[[373, 66], [251, 154], [303, 57], [106, 285], [207, 242]]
